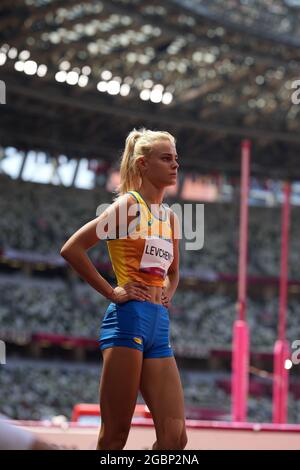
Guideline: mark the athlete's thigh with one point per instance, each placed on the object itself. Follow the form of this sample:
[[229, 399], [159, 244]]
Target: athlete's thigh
[[162, 391], [119, 384]]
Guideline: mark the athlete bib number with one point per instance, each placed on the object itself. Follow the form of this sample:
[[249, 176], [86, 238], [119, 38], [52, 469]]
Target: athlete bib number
[[157, 256]]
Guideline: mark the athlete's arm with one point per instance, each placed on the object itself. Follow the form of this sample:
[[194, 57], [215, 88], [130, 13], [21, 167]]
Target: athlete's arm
[[16, 438], [75, 248], [172, 279]]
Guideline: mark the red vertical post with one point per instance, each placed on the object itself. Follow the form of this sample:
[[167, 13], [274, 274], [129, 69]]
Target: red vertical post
[[240, 342], [281, 348]]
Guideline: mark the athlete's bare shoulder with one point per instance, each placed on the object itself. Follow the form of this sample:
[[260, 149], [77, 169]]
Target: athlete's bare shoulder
[[119, 215], [124, 201]]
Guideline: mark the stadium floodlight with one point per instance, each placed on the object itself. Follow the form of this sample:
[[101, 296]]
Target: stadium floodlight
[[102, 86], [125, 89], [106, 75], [30, 67], [113, 87], [65, 65], [42, 70], [83, 80], [158, 87], [2, 58], [12, 53], [145, 95], [86, 70], [148, 83], [167, 98], [288, 364], [156, 96], [24, 55], [19, 66], [72, 78], [61, 76]]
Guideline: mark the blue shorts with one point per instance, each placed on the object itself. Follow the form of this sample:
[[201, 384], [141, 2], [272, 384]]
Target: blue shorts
[[137, 324]]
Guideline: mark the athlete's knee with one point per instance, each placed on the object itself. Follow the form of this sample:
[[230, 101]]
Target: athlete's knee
[[173, 442], [184, 439], [115, 439], [173, 436], [116, 442]]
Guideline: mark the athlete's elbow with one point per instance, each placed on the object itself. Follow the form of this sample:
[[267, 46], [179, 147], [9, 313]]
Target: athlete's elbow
[[66, 252], [71, 252], [63, 253]]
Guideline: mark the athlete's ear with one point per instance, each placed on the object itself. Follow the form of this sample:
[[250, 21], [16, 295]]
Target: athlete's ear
[[142, 163]]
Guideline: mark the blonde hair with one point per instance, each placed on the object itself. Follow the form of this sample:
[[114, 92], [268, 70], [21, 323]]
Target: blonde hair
[[138, 143]]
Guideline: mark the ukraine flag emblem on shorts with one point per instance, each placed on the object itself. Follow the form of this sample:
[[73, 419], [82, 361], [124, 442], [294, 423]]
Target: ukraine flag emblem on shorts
[[138, 340]]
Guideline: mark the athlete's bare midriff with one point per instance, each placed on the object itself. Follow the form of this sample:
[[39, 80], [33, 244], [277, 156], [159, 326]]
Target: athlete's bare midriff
[[155, 293]]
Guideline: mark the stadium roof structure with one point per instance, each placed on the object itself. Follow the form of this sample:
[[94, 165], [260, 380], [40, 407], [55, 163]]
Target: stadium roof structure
[[80, 74]]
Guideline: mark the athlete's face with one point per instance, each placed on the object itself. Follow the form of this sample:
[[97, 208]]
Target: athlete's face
[[161, 166]]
